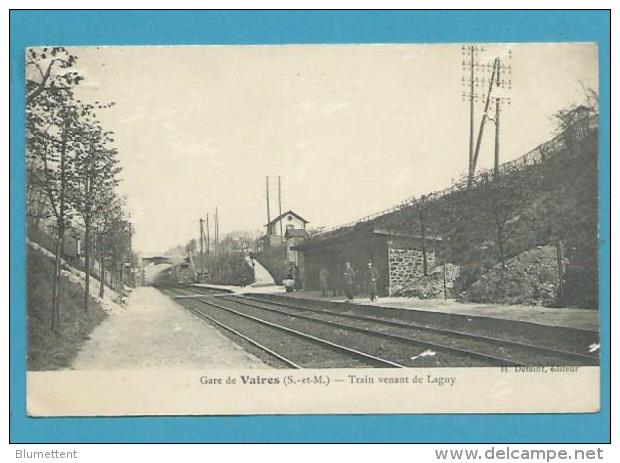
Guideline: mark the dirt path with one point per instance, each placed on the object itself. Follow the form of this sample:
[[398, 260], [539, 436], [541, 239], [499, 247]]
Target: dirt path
[[153, 332]]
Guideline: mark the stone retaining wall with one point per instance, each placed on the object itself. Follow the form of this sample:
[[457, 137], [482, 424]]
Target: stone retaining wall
[[406, 265]]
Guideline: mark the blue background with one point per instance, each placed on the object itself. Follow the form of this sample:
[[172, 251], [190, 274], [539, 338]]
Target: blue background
[[263, 27]]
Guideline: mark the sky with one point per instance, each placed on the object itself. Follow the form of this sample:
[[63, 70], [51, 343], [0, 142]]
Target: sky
[[351, 129]]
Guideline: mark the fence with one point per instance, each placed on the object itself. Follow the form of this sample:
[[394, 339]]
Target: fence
[[543, 152]]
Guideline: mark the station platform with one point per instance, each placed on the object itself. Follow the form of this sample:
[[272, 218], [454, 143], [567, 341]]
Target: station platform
[[581, 319], [261, 288]]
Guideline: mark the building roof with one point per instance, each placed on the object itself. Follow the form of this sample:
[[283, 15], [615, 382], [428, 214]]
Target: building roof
[[296, 233], [287, 213], [357, 232], [384, 231]]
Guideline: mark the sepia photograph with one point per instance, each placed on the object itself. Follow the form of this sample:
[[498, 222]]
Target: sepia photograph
[[382, 216]]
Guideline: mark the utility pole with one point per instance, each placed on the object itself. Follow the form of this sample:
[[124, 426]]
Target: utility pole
[[215, 234], [485, 116], [471, 116], [202, 245], [208, 243], [469, 80], [215, 266], [131, 269], [280, 208], [268, 211], [267, 244], [217, 227], [497, 113], [202, 237], [475, 77]]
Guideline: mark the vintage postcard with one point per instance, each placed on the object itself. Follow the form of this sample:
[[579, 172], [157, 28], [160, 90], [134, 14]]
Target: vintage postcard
[[381, 228]]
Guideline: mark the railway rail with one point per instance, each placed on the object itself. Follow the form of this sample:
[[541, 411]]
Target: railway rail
[[487, 344], [309, 351], [378, 341], [344, 338], [554, 337]]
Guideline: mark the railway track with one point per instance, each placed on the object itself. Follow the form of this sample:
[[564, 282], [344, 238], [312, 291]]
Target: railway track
[[395, 349], [305, 350], [558, 337], [487, 346], [383, 342]]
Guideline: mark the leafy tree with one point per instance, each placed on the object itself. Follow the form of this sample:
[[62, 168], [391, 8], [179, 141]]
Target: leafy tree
[[577, 226], [105, 224], [48, 70], [50, 144], [96, 169], [191, 246], [70, 167], [118, 249], [51, 113]]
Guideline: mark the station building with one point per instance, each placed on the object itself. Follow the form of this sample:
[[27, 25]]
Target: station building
[[396, 255], [278, 228], [284, 233]]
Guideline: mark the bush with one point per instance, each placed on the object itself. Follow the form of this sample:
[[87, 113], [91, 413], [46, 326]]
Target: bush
[[531, 278], [229, 269]]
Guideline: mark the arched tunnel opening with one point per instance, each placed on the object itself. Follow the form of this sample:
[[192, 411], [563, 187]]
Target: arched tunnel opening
[[168, 271]]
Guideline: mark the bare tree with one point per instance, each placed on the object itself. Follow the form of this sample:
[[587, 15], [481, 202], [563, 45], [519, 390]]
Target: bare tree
[[415, 215], [421, 206], [505, 198]]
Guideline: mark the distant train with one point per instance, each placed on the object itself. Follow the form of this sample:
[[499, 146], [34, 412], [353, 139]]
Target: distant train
[[184, 273], [179, 274]]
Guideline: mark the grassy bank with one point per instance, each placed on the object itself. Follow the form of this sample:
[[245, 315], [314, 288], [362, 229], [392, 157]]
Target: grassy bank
[[48, 351]]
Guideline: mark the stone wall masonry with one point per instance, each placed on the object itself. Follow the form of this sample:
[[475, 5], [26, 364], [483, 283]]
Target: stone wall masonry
[[406, 265]]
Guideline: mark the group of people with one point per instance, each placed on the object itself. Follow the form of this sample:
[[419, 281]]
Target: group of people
[[349, 281]]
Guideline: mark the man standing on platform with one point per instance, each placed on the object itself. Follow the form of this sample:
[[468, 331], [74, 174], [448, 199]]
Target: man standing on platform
[[324, 281], [372, 277], [349, 281], [334, 280]]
